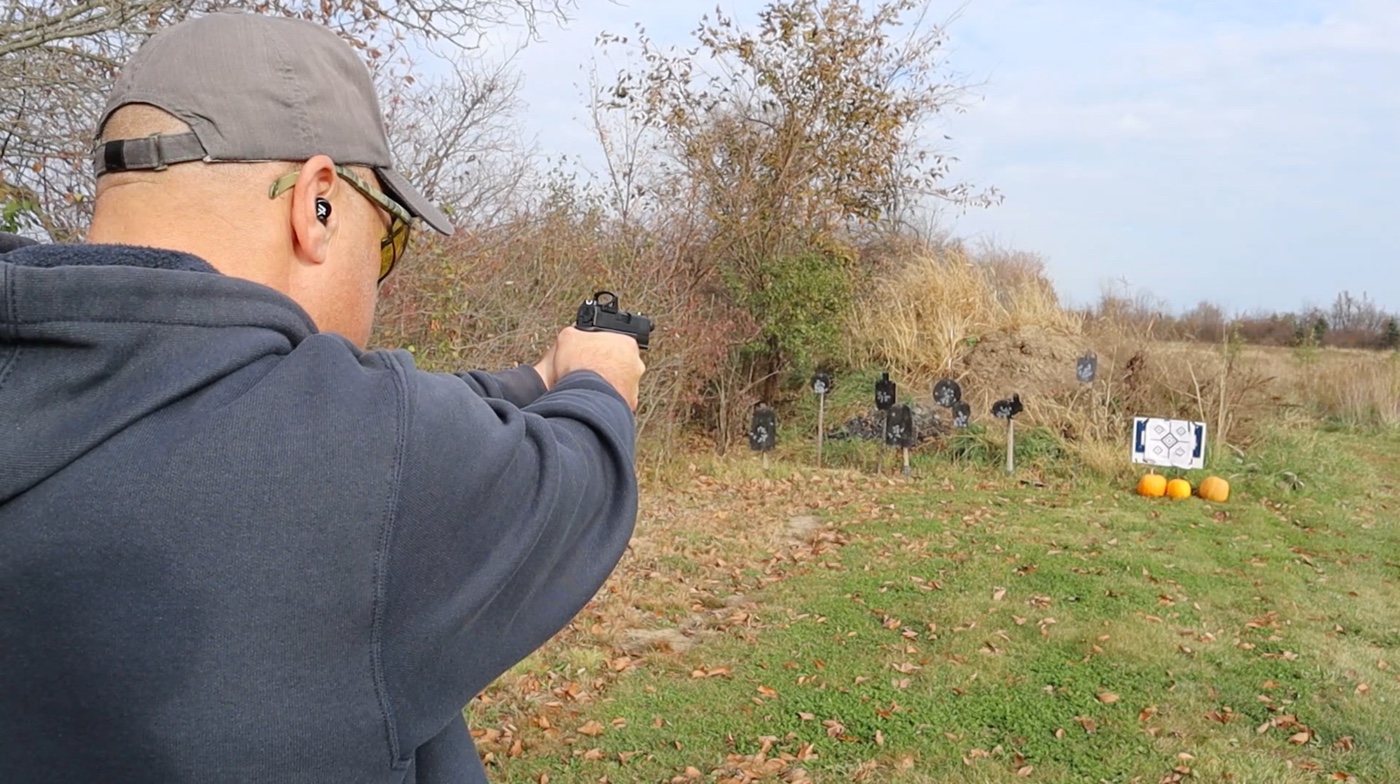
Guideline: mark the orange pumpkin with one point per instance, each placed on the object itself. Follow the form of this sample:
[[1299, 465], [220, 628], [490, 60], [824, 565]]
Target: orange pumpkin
[[1213, 488], [1178, 489], [1152, 485]]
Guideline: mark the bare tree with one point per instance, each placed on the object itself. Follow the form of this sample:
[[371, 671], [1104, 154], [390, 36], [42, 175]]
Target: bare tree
[[797, 136], [456, 136], [1361, 314], [1205, 322], [58, 57]]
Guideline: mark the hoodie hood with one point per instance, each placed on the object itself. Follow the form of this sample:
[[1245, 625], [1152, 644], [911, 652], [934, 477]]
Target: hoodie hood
[[139, 323], [9, 242]]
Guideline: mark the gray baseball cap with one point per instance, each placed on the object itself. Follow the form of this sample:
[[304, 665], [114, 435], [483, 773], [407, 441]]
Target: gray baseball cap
[[257, 88]]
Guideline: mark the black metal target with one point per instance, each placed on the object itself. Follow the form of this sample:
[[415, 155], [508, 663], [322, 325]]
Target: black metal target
[[821, 383], [901, 427], [947, 393], [1006, 409], [763, 433], [1086, 368], [962, 415], [884, 392]]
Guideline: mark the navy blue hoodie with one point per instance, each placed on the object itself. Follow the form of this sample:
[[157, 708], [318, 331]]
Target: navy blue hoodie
[[233, 549]]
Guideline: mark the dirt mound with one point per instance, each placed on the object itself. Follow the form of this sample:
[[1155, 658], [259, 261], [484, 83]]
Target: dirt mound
[[1032, 362]]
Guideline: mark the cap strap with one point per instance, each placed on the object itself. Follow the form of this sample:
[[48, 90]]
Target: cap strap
[[153, 152]]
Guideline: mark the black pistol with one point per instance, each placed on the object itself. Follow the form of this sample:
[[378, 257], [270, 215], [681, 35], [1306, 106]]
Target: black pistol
[[600, 313]]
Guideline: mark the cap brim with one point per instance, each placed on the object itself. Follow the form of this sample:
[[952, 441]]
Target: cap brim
[[403, 192]]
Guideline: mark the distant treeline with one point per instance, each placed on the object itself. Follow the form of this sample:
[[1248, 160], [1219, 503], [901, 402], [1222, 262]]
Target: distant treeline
[[1350, 322]]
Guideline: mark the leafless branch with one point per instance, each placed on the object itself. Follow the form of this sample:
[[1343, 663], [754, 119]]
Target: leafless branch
[[58, 57]]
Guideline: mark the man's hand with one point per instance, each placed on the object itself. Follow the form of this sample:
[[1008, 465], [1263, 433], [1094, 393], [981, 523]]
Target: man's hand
[[612, 355]]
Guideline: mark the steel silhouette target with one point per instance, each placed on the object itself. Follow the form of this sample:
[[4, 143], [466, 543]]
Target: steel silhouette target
[[821, 383], [1086, 368], [962, 415], [884, 392], [763, 433], [1008, 408], [901, 430], [947, 393]]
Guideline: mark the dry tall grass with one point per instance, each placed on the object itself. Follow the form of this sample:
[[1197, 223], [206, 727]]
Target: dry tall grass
[[923, 317], [1351, 387]]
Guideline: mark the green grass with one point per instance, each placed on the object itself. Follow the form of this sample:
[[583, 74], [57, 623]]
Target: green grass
[[979, 627]]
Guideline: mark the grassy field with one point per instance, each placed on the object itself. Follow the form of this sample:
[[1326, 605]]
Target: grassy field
[[964, 626]]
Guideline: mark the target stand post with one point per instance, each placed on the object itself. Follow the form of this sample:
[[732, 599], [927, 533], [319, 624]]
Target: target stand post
[[1010, 446], [821, 384], [1008, 409]]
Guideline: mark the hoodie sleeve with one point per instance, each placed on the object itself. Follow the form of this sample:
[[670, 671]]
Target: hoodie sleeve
[[519, 385], [509, 519]]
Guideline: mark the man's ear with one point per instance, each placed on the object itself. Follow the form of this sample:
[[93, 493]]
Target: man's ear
[[311, 237]]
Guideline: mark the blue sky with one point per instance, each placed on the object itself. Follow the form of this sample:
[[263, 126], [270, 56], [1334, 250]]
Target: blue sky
[[1241, 151]]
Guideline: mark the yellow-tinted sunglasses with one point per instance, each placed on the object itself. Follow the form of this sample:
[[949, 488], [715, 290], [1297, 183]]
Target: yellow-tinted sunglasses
[[391, 248]]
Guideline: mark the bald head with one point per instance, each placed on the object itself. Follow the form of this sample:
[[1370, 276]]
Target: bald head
[[223, 213], [218, 212], [234, 91]]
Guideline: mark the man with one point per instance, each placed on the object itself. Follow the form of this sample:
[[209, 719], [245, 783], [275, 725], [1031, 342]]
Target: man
[[237, 547]]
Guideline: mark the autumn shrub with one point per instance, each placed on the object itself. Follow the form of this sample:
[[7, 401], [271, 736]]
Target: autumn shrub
[[803, 300], [495, 297]]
